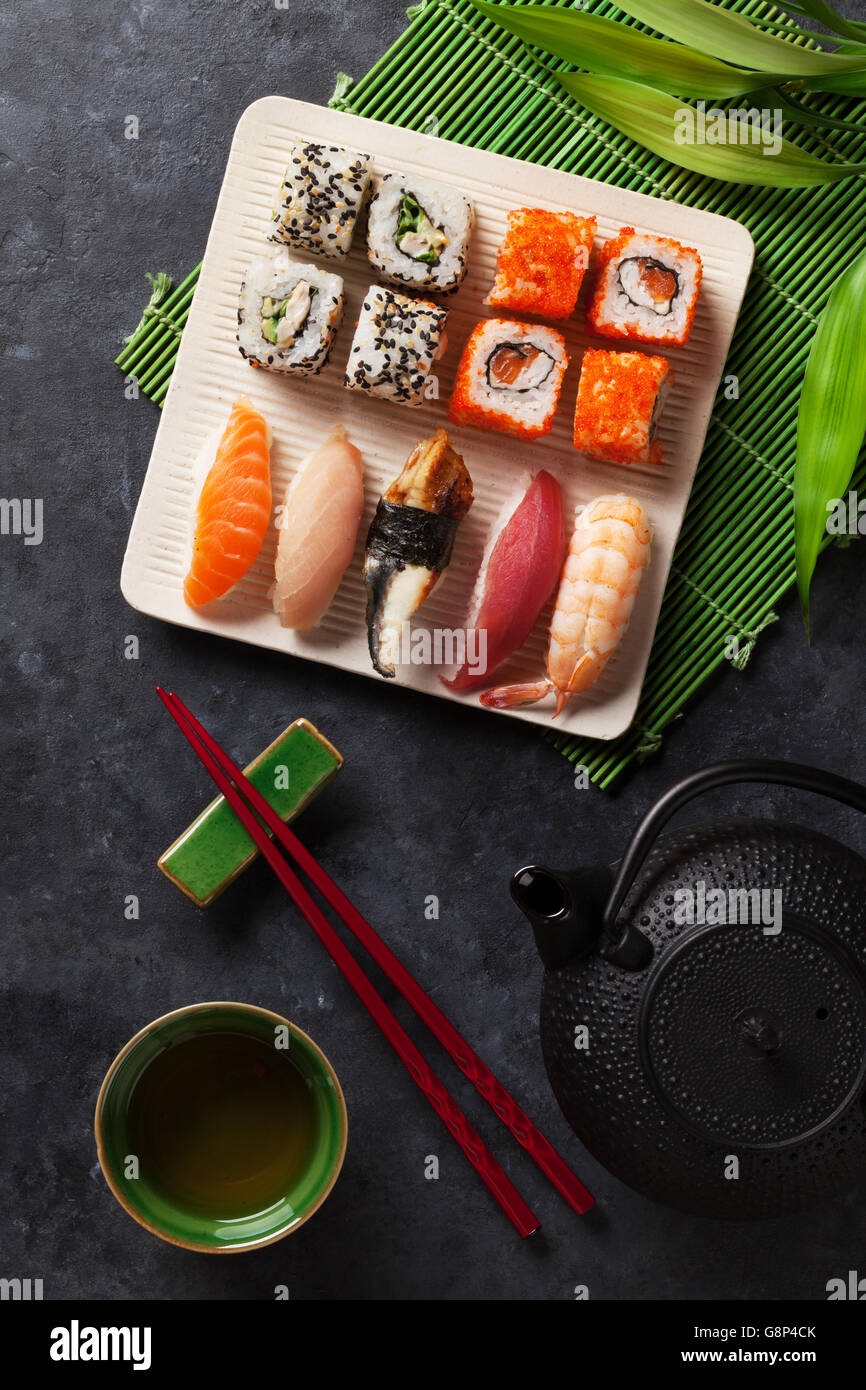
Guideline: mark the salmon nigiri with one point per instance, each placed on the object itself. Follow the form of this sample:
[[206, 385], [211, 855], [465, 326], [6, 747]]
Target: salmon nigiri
[[318, 527], [234, 507]]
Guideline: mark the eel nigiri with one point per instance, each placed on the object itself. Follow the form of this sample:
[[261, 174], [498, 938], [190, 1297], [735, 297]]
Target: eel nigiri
[[607, 555], [410, 541], [318, 528], [515, 580], [234, 508]]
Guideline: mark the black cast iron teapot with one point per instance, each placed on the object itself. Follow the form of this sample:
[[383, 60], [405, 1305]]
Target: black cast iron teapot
[[703, 1014]]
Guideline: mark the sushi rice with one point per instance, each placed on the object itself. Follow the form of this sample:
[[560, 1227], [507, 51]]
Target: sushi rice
[[396, 343], [509, 378], [322, 192], [418, 233], [647, 289], [288, 314]]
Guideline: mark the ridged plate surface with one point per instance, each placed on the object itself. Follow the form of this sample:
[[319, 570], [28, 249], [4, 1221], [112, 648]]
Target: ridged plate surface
[[210, 374]]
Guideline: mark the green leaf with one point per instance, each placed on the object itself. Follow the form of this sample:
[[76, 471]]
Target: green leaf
[[726, 35], [843, 84], [655, 120], [787, 27], [803, 115], [832, 418], [832, 19], [616, 50]]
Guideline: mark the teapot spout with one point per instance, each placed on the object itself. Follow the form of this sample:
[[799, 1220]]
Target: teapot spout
[[565, 910]]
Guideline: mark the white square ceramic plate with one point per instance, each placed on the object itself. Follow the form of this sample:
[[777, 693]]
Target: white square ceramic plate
[[210, 373]]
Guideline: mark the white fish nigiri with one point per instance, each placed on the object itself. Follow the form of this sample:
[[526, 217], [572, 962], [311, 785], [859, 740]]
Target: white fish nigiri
[[318, 527]]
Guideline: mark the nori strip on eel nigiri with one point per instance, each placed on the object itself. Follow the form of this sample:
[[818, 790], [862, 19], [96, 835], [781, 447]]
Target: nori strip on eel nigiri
[[410, 541]]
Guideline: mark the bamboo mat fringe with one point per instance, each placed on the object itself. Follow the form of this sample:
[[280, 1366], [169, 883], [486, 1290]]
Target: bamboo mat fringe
[[455, 72]]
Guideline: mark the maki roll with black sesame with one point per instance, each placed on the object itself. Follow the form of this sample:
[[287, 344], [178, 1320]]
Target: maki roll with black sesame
[[418, 233], [288, 314], [322, 192], [396, 342], [410, 541]]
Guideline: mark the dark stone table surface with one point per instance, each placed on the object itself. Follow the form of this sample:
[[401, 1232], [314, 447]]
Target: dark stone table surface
[[433, 798]]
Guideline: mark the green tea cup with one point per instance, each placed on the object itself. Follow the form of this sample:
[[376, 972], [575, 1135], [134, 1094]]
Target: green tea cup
[[221, 1127]]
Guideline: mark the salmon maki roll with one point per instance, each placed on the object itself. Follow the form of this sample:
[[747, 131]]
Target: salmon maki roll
[[646, 290], [509, 378], [234, 507]]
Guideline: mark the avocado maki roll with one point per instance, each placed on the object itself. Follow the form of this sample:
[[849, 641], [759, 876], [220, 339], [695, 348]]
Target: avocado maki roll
[[418, 233], [288, 314]]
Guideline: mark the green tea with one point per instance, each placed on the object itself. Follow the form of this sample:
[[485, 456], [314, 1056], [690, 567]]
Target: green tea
[[222, 1124]]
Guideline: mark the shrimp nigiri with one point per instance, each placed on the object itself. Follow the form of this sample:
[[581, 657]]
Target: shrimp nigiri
[[234, 507], [607, 555]]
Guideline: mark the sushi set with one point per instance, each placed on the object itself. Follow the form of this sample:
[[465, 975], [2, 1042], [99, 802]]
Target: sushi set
[[479, 397]]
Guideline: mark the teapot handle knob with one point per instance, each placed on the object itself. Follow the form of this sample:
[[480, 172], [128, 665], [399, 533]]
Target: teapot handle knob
[[626, 945]]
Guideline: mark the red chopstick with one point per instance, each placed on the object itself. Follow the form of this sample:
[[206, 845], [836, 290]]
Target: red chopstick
[[494, 1177], [545, 1156]]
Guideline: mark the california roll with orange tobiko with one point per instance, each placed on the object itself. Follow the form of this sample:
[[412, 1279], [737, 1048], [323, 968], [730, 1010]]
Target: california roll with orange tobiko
[[509, 378], [542, 262], [619, 403], [646, 290]]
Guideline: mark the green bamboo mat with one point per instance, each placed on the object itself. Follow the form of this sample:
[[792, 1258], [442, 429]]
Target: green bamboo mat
[[458, 75]]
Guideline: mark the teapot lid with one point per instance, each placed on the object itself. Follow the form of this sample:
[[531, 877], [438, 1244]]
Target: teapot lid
[[753, 1039]]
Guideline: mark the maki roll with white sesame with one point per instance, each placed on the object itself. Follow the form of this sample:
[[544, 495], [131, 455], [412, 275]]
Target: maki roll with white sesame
[[288, 314], [395, 345], [322, 192], [418, 233], [509, 378]]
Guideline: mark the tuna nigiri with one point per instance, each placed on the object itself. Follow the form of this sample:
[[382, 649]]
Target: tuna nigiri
[[318, 528], [515, 581], [234, 507]]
